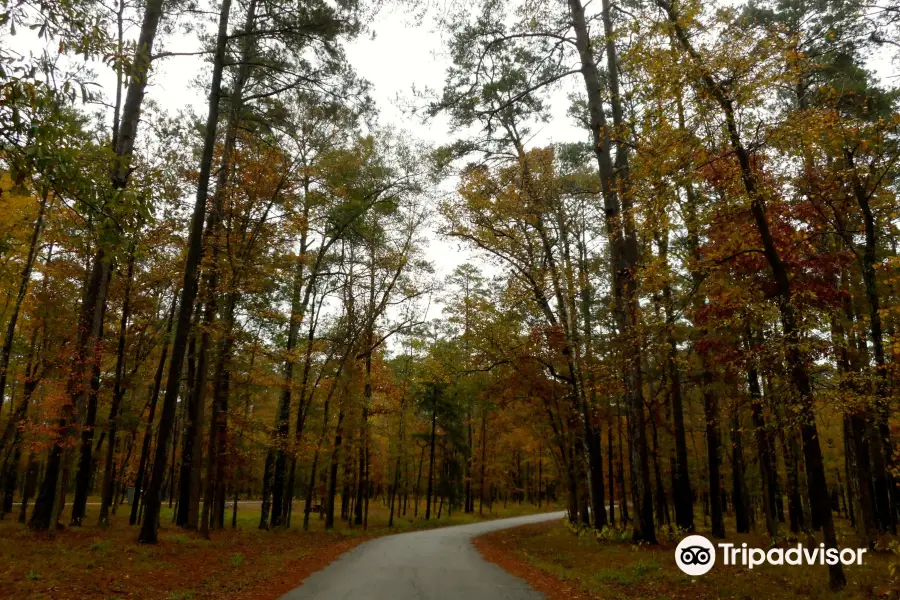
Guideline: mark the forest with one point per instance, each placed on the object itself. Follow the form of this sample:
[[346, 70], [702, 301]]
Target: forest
[[678, 314]]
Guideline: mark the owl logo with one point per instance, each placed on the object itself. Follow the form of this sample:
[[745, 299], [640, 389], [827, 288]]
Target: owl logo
[[695, 555]]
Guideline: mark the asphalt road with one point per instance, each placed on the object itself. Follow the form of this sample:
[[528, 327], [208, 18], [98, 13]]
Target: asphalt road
[[438, 564]]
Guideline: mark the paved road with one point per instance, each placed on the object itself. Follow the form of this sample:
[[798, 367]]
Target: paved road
[[438, 564]]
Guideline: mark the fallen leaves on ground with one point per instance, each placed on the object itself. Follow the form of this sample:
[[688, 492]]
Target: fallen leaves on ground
[[90, 563], [499, 548], [245, 563]]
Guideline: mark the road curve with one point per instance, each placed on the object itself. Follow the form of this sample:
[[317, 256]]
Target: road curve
[[437, 564]]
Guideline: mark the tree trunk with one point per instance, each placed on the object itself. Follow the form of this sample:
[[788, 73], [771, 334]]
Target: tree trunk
[[83, 474], [766, 460], [683, 497], [332, 479], [856, 438], [483, 462], [14, 430], [361, 473], [467, 476], [302, 408], [612, 482], [621, 474], [140, 494], [315, 464], [282, 425], [623, 253], [268, 476], [662, 507], [883, 479], [710, 399], [213, 496], [106, 488], [24, 279], [400, 450], [31, 479], [595, 433], [188, 514], [710, 412], [740, 498], [419, 481], [434, 392]]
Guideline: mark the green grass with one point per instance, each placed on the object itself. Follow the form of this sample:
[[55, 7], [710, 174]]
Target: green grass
[[614, 576]]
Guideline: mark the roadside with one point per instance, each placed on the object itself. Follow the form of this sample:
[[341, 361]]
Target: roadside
[[235, 564], [564, 566]]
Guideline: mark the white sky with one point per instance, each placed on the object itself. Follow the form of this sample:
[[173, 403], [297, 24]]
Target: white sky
[[396, 56]]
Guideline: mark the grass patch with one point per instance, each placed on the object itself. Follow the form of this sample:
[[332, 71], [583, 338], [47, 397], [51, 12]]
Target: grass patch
[[184, 540], [645, 567], [613, 576]]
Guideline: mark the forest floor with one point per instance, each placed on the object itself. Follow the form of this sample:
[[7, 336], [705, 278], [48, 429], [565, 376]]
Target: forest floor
[[245, 563], [569, 567]]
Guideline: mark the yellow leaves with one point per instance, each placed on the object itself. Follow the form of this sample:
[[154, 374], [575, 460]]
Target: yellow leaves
[[17, 204]]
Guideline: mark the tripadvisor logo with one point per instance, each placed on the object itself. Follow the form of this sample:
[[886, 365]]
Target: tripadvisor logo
[[696, 555]]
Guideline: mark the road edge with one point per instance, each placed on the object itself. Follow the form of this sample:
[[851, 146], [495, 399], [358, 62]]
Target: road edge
[[296, 571], [494, 549]]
